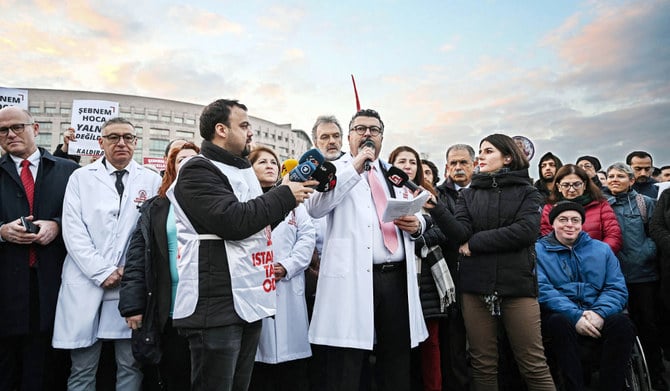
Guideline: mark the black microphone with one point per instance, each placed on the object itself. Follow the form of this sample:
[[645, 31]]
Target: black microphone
[[399, 178], [371, 144], [325, 174]]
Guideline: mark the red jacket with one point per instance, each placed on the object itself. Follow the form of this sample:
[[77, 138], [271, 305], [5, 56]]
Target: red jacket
[[600, 223]]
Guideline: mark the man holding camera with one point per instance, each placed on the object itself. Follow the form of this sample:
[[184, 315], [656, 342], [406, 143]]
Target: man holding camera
[[32, 185]]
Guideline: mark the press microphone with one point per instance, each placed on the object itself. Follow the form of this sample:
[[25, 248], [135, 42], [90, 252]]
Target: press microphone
[[399, 178], [368, 143], [325, 174], [287, 166], [308, 163], [313, 155]]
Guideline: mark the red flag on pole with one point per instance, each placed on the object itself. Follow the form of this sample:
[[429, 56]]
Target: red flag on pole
[[358, 103]]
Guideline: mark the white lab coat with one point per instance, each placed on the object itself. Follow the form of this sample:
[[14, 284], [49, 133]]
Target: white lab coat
[[284, 336], [343, 311], [96, 238]]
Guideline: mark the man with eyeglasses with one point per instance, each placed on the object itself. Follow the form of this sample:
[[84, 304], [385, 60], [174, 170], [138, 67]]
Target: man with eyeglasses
[[642, 165], [100, 211], [582, 295], [547, 168], [591, 165], [32, 185], [367, 289]]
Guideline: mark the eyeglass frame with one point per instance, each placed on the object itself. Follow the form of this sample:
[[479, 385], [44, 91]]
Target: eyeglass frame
[[574, 185], [20, 128], [565, 220], [109, 137], [374, 130]]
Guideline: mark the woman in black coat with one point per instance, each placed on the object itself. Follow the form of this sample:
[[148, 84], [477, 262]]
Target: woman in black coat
[[149, 284], [497, 221]]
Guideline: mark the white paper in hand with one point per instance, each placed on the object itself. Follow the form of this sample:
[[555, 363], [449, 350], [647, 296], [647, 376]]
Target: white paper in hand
[[396, 208]]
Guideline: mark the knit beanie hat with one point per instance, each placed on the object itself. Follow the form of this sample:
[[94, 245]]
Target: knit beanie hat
[[562, 206], [592, 159]]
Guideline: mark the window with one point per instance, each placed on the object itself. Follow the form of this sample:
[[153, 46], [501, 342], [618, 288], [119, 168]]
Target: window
[[178, 120], [189, 121], [165, 118], [35, 110], [152, 116], [64, 126], [138, 130], [47, 126], [159, 132], [185, 135], [138, 115], [139, 144], [157, 146], [50, 110], [65, 111], [43, 140]]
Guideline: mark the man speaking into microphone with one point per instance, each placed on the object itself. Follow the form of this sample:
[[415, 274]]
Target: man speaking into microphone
[[367, 287]]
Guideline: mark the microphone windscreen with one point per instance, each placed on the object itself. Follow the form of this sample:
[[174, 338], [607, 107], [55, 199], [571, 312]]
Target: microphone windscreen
[[287, 166], [399, 178], [302, 172], [325, 174], [313, 155]]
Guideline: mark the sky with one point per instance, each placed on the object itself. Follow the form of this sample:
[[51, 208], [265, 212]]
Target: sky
[[575, 77]]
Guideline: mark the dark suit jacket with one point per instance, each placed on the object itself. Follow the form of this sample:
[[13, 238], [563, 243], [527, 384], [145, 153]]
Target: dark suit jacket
[[52, 178]]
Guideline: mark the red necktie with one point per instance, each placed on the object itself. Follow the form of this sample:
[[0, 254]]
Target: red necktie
[[379, 198], [29, 187]]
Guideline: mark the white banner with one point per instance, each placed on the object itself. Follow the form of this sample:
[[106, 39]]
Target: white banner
[[87, 119], [13, 97]]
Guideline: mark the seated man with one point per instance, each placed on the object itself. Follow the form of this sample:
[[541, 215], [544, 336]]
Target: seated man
[[582, 296]]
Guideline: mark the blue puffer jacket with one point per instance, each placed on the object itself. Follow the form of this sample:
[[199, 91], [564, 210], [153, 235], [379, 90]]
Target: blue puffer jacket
[[586, 277], [638, 254]]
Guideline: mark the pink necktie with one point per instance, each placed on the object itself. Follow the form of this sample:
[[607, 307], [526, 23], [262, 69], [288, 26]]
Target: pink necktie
[[379, 198], [29, 187]]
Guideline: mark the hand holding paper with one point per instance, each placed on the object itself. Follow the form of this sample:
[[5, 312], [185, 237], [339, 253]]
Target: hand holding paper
[[397, 208]]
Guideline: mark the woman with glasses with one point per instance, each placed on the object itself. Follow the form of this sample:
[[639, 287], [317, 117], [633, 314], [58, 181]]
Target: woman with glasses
[[283, 348], [150, 281], [639, 263], [572, 183], [497, 221]]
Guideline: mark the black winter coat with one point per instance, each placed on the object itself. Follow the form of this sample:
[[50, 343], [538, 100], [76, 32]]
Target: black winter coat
[[207, 198], [659, 230], [146, 287], [499, 217], [52, 177], [430, 299]]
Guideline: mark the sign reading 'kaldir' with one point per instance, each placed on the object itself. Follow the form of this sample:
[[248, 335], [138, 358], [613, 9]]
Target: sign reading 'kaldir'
[[88, 116]]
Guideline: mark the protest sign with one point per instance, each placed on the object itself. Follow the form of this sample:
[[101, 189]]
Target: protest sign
[[87, 119]]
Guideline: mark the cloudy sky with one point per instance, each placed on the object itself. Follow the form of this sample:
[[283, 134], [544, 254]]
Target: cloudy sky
[[575, 77]]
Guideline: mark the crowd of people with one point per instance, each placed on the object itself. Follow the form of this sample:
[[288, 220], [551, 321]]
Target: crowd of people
[[226, 273]]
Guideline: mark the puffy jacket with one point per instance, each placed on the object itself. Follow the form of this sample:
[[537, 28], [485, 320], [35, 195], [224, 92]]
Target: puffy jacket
[[638, 255], [600, 223], [499, 217], [146, 287], [584, 277]]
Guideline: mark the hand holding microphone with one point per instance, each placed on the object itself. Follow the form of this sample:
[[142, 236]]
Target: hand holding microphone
[[399, 178], [308, 163]]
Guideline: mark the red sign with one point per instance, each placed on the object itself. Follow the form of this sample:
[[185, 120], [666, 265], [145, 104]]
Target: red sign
[[157, 162]]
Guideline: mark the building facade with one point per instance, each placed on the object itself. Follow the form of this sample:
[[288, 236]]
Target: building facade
[[157, 121]]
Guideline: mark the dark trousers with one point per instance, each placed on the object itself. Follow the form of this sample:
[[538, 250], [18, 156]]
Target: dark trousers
[[615, 346], [174, 370], [284, 376], [222, 358], [453, 349], [391, 317], [643, 305]]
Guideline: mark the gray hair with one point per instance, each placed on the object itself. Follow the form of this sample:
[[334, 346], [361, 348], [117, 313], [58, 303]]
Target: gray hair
[[325, 119], [116, 120], [623, 167], [461, 147]]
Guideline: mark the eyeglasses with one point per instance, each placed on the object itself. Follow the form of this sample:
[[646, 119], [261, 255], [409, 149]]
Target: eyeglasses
[[115, 138], [16, 128], [575, 185], [585, 166], [362, 129], [565, 220]]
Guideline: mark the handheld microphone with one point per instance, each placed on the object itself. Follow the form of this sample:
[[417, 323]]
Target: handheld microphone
[[302, 172], [368, 143], [325, 174], [399, 178], [313, 155], [287, 166]]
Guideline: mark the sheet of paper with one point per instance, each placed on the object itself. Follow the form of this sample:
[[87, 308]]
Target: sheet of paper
[[397, 208]]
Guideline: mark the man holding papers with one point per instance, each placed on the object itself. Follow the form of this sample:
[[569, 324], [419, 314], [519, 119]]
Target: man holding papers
[[367, 290]]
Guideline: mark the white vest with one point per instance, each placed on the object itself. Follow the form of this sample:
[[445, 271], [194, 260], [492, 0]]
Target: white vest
[[250, 260]]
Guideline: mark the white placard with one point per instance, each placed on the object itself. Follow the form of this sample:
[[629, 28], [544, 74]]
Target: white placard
[[13, 97], [87, 119]]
